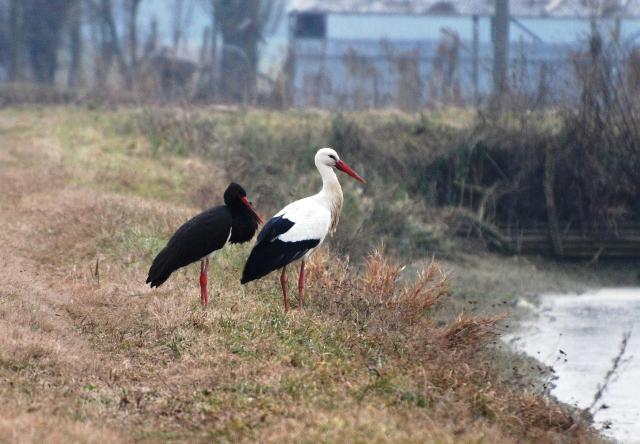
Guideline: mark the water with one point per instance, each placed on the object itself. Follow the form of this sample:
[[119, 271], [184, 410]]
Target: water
[[579, 336]]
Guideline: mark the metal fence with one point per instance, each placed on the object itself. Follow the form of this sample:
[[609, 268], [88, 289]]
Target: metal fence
[[412, 75]]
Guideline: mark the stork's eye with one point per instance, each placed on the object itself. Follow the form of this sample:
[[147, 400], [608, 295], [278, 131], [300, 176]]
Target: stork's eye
[[332, 156]]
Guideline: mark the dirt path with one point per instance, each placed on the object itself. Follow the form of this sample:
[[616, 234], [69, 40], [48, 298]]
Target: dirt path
[[42, 353], [86, 359]]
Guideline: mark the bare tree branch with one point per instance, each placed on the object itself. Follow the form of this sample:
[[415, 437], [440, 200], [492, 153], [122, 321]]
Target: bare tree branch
[[615, 366]]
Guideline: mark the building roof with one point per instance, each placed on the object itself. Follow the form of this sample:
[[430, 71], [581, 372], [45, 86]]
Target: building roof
[[518, 8]]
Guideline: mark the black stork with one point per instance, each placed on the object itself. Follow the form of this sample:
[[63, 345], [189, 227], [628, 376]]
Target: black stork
[[300, 227], [200, 238]]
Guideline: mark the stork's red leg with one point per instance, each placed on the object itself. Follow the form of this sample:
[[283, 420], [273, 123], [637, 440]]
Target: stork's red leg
[[204, 298], [283, 282], [300, 284]]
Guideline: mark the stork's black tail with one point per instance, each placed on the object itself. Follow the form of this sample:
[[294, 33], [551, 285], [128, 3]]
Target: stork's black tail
[[258, 264], [269, 256], [161, 268]]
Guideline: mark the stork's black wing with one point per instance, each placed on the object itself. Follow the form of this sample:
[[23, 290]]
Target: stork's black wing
[[273, 228], [270, 253], [198, 237]]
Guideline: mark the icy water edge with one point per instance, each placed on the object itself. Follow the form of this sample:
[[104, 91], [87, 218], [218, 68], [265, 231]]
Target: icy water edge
[[580, 336]]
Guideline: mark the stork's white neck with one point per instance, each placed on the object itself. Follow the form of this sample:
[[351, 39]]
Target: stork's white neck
[[329, 179], [331, 193]]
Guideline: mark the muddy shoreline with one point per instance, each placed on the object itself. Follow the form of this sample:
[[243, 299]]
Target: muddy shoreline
[[590, 341]]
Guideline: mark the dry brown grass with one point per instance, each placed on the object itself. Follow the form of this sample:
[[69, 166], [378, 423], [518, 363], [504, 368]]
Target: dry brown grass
[[449, 359], [372, 358], [377, 295], [33, 428]]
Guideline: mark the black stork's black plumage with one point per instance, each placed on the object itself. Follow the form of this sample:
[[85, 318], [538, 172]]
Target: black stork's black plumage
[[201, 237]]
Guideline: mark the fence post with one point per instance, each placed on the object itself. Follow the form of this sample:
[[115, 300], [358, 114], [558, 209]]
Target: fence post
[[476, 60], [500, 46]]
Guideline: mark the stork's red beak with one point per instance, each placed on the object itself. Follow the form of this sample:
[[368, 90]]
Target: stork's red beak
[[347, 169], [247, 204]]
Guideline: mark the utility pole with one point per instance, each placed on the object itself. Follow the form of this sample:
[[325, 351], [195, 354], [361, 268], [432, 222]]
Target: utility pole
[[500, 47]]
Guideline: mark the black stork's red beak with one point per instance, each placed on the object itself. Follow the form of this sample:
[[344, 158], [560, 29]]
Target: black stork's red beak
[[247, 204], [347, 169]]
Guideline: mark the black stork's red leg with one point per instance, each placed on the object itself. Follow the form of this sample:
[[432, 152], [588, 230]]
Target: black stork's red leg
[[300, 284], [283, 282], [204, 297]]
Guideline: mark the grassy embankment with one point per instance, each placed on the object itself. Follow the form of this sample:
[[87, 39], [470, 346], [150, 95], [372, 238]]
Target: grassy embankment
[[415, 201], [99, 358]]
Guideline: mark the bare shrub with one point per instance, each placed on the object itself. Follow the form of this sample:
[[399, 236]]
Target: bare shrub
[[377, 298], [471, 331], [600, 157], [587, 153], [452, 356], [28, 93]]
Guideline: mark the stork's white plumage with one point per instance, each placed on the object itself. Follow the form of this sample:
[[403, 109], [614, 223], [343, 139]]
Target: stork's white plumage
[[300, 227]]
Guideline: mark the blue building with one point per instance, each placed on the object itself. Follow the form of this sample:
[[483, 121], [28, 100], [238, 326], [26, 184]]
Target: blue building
[[412, 54]]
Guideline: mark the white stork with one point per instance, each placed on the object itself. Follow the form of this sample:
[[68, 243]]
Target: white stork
[[300, 227]]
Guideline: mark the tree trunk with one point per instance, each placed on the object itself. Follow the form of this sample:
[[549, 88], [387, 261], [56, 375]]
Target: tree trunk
[[44, 20], [103, 60], [151, 43], [16, 40], [178, 10], [116, 49], [552, 213], [134, 7], [238, 23], [75, 45], [214, 53]]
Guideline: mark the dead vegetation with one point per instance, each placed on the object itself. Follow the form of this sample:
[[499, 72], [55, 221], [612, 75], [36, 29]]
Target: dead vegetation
[[374, 356], [491, 176], [571, 168]]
